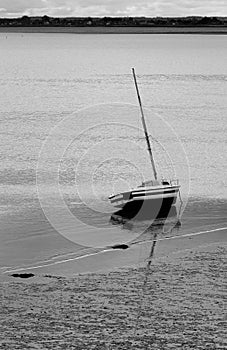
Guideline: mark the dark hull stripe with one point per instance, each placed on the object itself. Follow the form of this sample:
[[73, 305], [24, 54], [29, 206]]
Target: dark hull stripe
[[156, 189], [137, 194]]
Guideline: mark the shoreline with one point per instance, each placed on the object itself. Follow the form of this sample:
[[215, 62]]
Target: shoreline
[[202, 223], [103, 261], [117, 30]]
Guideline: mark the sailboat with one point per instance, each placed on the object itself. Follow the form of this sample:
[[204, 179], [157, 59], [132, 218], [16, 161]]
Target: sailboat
[[155, 198]]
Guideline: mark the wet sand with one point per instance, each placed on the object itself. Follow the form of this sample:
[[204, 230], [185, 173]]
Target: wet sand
[[176, 304], [98, 260], [117, 30], [203, 223]]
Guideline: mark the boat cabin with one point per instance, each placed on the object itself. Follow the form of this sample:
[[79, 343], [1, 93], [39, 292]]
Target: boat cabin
[[154, 183]]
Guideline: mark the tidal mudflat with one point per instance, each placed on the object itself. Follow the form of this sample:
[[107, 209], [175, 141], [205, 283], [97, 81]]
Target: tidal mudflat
[[177, 304], [66, 302]]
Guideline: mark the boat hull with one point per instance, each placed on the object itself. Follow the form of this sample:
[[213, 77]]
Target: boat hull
[[148, 209]]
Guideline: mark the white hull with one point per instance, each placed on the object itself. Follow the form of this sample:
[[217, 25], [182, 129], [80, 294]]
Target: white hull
[[148, 193]]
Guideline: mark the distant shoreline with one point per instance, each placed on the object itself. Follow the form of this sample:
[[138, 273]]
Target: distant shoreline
[[117, 30]]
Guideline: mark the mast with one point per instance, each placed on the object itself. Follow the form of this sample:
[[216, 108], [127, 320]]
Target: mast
[[145, 127]]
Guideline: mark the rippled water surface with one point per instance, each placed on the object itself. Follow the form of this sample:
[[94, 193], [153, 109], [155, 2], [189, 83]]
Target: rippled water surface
[[78, 89]]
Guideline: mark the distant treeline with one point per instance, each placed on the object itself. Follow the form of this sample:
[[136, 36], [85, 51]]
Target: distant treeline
[[46, 21]]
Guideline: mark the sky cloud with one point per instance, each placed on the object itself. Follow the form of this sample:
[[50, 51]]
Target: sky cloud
[[11, 8]]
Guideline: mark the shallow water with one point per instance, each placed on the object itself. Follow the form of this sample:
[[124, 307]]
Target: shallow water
[[45, 79]]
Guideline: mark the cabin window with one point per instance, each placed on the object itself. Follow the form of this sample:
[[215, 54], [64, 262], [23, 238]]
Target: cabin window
[[165, 182]]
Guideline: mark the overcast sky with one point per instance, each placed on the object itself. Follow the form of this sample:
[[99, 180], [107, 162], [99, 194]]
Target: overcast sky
[[151, 8]]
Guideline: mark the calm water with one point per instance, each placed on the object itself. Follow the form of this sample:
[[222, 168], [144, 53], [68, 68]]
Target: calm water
[[45, 81]]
